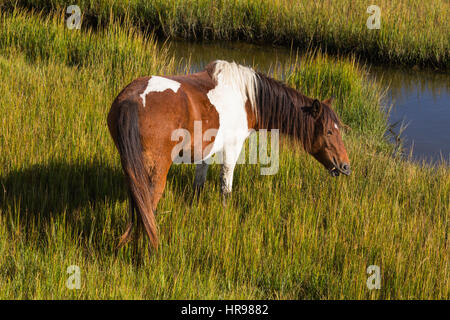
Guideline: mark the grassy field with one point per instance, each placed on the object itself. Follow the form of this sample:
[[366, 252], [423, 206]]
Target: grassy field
[[299, 234], [412, 32]]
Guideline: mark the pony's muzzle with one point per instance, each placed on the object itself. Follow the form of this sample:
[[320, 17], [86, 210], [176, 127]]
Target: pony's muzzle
[[345, 169]]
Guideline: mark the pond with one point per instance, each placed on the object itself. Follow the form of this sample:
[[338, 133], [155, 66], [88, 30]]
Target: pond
[[420, 99]]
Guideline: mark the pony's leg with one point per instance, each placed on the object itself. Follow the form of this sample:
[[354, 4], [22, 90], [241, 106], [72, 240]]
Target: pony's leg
[[201, 170], [158, 177], [230, 157], [226, 178]]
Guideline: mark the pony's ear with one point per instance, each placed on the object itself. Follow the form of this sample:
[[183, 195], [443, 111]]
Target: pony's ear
[[315, 110], [329, 101]]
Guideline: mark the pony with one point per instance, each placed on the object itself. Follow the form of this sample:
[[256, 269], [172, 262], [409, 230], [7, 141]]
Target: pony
[[230, 98]]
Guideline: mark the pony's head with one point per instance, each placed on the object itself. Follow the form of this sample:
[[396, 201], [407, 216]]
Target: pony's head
[[325, 143]]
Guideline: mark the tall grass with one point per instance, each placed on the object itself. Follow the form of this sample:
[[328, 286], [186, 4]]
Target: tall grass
[[297, 235], [412, 31]]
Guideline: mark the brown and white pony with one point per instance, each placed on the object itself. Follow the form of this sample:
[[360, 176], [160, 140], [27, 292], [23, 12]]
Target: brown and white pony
[[228, 97]]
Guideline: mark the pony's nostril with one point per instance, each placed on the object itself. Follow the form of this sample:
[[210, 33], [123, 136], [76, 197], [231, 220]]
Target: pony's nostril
[[345, 167]]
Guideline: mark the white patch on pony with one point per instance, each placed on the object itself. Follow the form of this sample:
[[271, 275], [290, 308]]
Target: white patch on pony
[[235, 84], [336, 126], [159, 84]]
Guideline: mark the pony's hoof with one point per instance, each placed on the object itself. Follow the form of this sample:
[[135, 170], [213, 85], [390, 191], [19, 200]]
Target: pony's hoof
[[226, 198]]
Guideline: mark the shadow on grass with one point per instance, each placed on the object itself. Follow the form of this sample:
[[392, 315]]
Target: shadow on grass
[[83, 196], [45, 191], [50, 196]]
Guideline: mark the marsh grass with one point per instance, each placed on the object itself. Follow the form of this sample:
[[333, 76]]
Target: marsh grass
[[296, 235], [412, 32]]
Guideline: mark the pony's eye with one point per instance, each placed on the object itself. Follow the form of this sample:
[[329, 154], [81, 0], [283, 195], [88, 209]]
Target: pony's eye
[[329, 132]]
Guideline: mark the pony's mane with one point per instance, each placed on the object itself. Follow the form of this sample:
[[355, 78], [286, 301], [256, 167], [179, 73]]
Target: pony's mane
[[242, 78], [280, 107], [275, 105]]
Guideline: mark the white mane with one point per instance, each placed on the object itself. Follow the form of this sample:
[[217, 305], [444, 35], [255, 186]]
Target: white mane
[[242, 78]]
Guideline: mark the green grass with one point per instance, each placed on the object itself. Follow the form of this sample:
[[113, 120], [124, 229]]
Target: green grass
[[413, 32], [299, 234]]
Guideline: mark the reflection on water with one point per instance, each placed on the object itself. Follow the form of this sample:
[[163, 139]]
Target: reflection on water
[[420, 99]]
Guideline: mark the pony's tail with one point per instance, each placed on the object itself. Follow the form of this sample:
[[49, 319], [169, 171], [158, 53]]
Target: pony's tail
[[131, 155]]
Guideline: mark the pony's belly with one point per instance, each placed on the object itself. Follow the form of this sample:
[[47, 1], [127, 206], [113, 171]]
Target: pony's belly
[[230, 144]]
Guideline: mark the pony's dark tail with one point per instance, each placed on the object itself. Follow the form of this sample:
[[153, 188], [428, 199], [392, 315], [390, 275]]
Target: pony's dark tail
[[131, 155]]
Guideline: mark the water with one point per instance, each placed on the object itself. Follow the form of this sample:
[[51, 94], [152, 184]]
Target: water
[[420, 99]]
